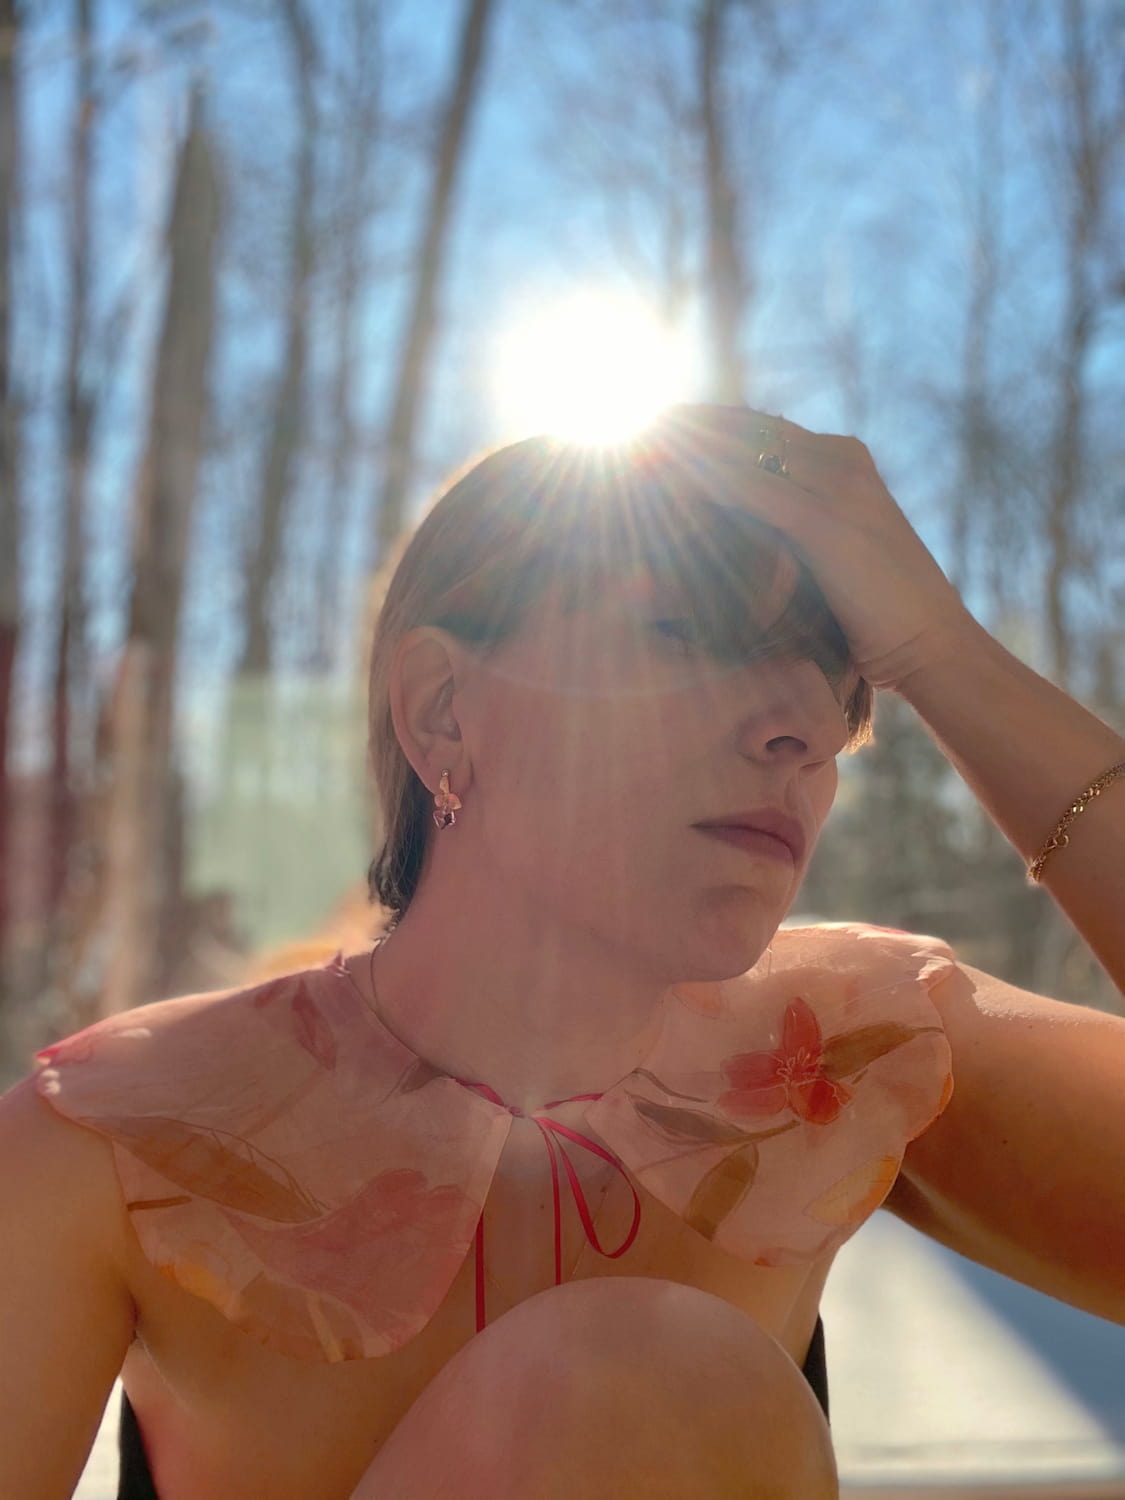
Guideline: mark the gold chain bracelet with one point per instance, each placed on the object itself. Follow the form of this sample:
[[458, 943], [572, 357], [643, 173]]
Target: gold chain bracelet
[[1060, 838]]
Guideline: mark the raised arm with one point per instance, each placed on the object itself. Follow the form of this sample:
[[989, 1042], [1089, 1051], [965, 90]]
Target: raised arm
[[1023, 1169], [66, 1314], [1028, 751], [1040, 1081]]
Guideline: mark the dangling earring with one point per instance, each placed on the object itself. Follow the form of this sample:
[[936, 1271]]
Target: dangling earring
[[446, 803]]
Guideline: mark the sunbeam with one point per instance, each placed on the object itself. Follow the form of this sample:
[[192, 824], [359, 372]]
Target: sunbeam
[[595, 367]]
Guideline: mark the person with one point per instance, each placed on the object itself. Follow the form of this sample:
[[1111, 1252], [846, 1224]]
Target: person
[[319, 1224]]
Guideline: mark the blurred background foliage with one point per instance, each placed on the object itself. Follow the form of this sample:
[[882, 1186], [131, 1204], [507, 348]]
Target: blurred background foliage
[[253, 258]]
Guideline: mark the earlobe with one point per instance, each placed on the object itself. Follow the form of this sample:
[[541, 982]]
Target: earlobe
[[424, 679]]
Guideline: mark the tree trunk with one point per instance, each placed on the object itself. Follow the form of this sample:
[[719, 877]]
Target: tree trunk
[[71, 655], [975, 482], [9, 451], [726, 290], [398, 456], [139, 838], [354, 212], [287, 419], [1089, 147]]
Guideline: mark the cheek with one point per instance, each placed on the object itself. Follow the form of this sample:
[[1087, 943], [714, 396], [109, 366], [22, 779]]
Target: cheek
[[576, 780]]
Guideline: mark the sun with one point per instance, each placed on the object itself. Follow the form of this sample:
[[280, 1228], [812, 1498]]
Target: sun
[[595, 367]]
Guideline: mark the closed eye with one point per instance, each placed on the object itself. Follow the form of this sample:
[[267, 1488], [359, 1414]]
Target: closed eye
[[690, 634], [685, 631], [695, 635]]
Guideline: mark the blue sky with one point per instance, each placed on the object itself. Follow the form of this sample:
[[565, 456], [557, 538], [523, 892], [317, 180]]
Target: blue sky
[[856, 157]]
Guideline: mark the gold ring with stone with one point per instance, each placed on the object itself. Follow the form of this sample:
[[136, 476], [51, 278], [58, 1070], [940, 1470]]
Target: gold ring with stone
[[773, 462]]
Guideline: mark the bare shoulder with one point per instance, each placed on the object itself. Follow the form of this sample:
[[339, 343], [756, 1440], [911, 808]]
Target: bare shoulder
[[47, 1157], [65, 1304]]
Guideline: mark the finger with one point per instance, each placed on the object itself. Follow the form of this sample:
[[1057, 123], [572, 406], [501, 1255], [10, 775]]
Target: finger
[[838, 470], [839, 466], [718, 443], [714, 445], [826, 460]]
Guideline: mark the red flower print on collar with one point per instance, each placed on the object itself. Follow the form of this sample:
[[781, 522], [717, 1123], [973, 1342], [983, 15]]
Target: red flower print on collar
[[799, 1075]]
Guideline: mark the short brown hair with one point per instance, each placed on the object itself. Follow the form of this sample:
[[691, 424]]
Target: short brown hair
[[544, 514]]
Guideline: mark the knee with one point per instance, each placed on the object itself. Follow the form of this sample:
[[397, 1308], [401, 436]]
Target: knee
[[640, 1321], [628, 1385], [645, 1349]]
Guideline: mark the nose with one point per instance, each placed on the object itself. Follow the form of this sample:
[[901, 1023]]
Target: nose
[[795, 718]]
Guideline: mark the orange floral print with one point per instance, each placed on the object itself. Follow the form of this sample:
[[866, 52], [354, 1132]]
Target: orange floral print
[[288, 1160], [396, 1233], [792, 1077]]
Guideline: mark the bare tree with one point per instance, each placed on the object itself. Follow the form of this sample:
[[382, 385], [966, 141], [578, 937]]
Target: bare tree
[[976, 428], [398, 455], [360, 128], [682, 128], [141, 833], [1090, 158], [632, 116], [71, 654], [726, 286], [10, 20], [287, 416]]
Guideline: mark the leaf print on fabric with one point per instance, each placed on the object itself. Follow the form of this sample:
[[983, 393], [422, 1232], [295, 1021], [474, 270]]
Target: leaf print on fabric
[[720, 1191], [792, 1077], [312, 1029], [217, 1166], [856, 1196], [853, 1050], [664, 1089], [274, 989], [308, 1024], [397, 1234], [200, 1269], [306, 1323], [677, 1125], [297, 1321]]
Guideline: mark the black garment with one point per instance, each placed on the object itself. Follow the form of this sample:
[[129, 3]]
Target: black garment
[[815, 1368], [135, 1481]]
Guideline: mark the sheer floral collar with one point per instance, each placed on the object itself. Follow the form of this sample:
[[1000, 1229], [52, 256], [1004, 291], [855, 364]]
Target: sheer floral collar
[[285, 1157]]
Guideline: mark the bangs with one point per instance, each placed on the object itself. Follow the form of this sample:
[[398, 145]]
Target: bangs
[[584, 526]]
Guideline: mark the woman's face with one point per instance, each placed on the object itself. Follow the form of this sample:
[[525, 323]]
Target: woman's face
[[600, 739]]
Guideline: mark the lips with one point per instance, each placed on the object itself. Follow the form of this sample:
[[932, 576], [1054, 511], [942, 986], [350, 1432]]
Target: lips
[[767, 820]]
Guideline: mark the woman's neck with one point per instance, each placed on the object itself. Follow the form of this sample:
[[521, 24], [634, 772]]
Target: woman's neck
[[491, 994]]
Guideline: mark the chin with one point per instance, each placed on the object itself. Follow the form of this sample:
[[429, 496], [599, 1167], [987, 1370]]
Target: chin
[[726, 942]]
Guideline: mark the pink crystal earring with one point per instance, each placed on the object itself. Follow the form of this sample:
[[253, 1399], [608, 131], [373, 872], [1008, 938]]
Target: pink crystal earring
[[446, 803]]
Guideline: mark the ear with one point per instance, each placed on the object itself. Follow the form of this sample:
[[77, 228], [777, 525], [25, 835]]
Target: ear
[[429, 666]]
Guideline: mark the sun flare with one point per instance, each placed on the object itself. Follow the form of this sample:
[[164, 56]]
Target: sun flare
[[593, 368]]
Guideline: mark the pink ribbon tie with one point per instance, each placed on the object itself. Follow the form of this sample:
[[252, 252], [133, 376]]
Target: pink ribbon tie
[[547, 1127]]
